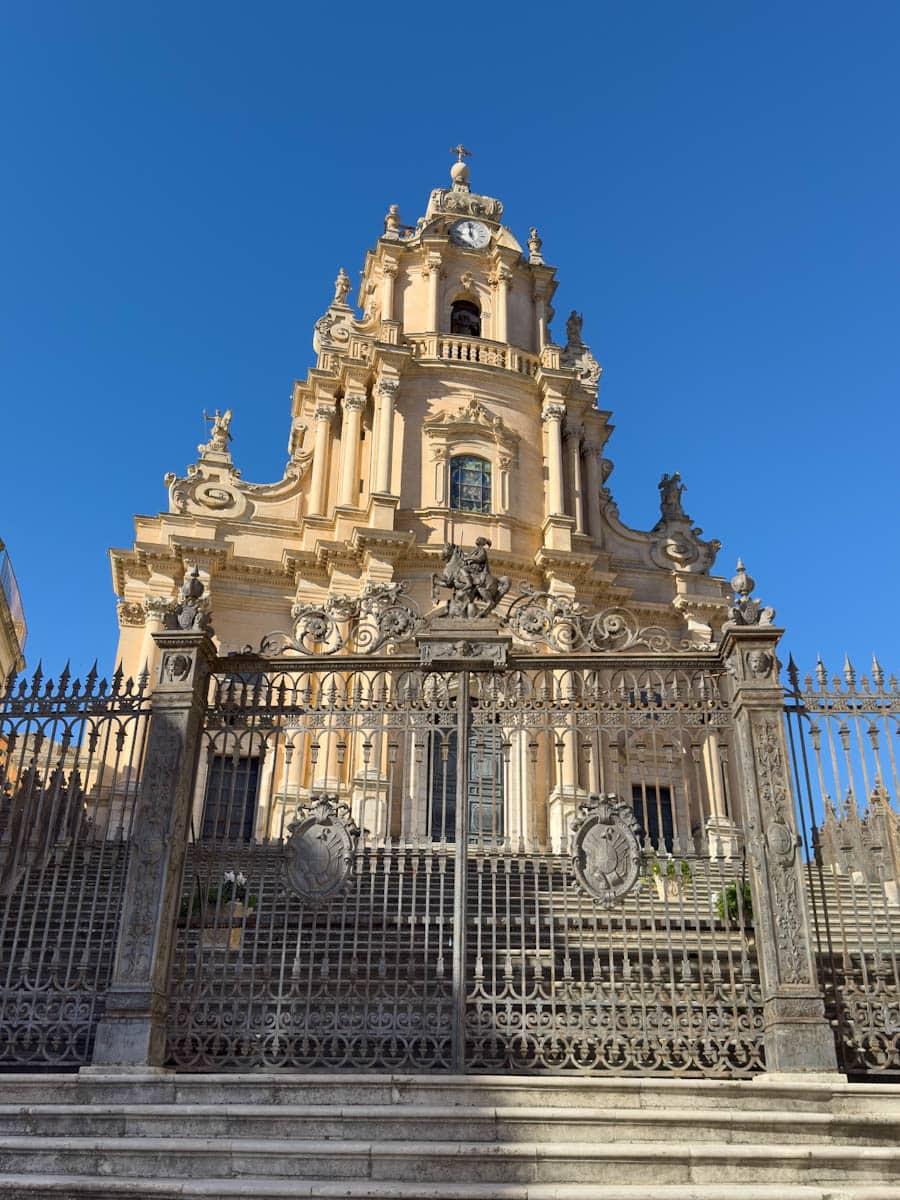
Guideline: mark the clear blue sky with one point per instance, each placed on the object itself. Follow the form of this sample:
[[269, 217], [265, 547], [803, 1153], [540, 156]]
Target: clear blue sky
[[716, 182]]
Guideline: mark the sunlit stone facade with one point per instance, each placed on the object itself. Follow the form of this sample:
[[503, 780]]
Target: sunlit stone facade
[[440, 410]]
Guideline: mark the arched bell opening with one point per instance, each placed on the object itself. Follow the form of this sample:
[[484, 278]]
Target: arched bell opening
[[465, 318]]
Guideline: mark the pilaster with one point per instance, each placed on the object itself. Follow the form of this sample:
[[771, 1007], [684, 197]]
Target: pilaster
[[132, 1031], [798, 1037]]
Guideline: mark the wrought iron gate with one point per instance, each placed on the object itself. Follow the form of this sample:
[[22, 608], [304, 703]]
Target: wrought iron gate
[[842, 734], [380, 873]]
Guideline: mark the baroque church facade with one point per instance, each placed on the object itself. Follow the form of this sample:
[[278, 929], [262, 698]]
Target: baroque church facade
[[441, 429]]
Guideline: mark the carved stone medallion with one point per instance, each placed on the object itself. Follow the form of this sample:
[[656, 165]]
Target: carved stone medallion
[[320, 849], [605, 848]]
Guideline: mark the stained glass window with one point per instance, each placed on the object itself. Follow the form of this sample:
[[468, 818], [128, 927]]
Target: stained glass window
[[470, 483]]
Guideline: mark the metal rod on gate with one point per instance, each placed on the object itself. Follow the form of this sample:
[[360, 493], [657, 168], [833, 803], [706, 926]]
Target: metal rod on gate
[[459, 873]]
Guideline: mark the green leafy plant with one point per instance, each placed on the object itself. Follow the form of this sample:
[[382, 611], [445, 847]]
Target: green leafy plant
[[672, 870], [728, 906], [232, 888]]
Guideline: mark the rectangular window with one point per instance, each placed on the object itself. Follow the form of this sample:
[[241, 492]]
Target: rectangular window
[[470, 483], [653, 812], [229, 807]]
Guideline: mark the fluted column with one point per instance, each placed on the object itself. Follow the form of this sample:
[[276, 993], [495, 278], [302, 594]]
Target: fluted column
[[594, 482], [573, 446], [353, 405], [552, 416], [324, 417], [387, 390], [387, 290]]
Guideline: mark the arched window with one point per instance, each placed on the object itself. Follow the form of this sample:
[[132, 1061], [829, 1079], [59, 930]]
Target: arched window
[[470, 483], [465, 318]]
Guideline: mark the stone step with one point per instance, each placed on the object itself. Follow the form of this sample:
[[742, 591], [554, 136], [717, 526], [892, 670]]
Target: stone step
[[461, 1162], [99, 1187], [404, 1122], [764, 1093]]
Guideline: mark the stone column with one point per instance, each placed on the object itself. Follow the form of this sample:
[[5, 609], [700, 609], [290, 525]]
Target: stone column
[[501, 280], [573, 445], [353, 405], [540, 316], [387, 390], [797, 1035], [132, 1032], [324, 417], [552, 416], [592, 488], [432, 271], [389, 274]]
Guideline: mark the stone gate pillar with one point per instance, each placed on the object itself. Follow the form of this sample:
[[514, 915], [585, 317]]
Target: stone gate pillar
[[798, 1038], [133, 1028]]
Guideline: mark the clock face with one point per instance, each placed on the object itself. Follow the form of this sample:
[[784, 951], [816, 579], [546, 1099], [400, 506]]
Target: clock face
[[471, 234]]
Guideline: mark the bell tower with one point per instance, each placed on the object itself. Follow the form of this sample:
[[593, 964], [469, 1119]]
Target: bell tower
[[439, 411]]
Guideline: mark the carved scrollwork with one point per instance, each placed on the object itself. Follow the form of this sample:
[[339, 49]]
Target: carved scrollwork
[[778, 841], [605, 848], [320, 849], [384, 615], [567, 626]]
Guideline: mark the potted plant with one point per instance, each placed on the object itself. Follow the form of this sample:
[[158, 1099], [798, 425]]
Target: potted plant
[[734, 906], [226, 908], [670, 877]]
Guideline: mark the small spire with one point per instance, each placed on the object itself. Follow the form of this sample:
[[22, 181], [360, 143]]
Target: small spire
[[849, 672], [534, 247], [459, 172], [877, 672]]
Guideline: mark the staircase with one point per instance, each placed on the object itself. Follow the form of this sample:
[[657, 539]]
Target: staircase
[[446, 1138]]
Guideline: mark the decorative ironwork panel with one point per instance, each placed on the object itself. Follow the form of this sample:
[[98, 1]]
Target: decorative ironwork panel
[[317, 906], [641, 975], [843, 739], [70, 761], [439, 920]]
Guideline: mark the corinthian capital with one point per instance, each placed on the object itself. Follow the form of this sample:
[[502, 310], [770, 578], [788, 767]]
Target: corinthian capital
[[325, 412], [553, 412], [354, 402], [388, 388]]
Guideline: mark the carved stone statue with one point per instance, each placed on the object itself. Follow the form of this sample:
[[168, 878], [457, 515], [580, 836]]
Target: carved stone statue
[[534, 246], [475, 591], [670, 492], [190, 613], [220, 434], [392, 221], [341, 287], [574, 326]]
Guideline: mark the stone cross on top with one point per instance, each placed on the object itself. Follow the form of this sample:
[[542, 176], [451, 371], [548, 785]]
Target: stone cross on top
[[461, 152]]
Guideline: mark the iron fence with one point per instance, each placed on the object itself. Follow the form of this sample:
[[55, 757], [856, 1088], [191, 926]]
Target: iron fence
[[382, 873], [70, 762], [842, 734]]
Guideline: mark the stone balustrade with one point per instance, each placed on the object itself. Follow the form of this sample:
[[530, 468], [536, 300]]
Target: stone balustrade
[[479, 352]]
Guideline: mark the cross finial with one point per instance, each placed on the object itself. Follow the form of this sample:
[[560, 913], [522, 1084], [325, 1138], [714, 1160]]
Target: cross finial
[[461, 152]]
